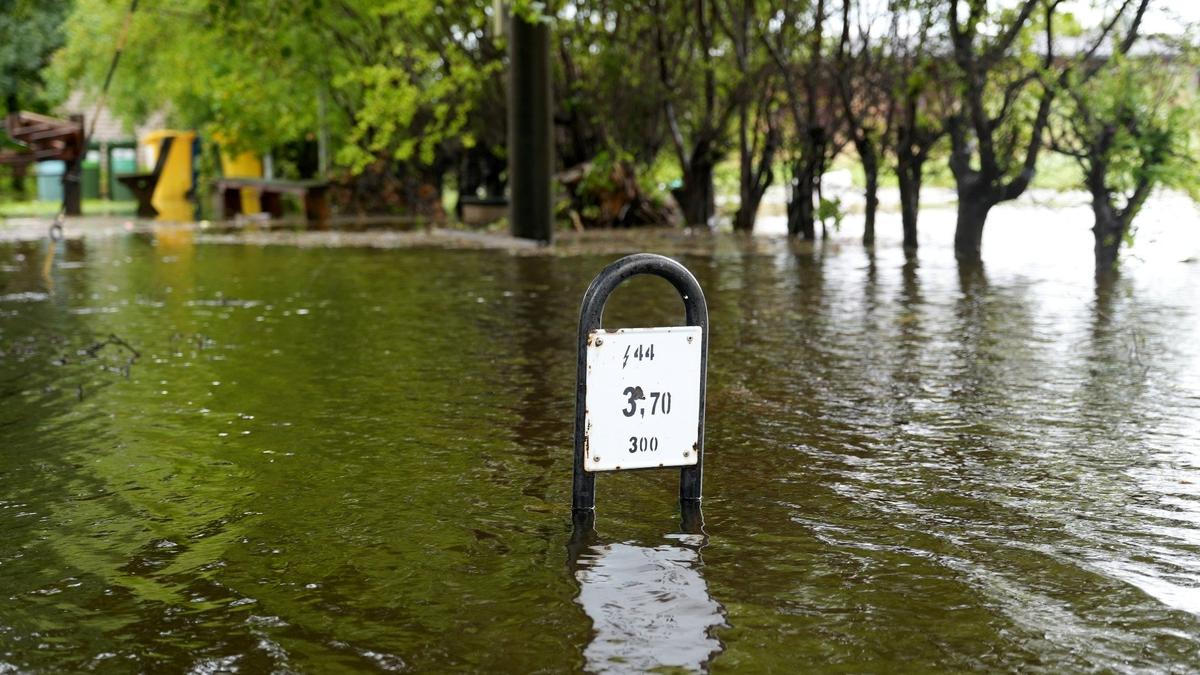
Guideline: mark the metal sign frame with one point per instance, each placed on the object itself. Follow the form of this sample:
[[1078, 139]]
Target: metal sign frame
[[583, 488]]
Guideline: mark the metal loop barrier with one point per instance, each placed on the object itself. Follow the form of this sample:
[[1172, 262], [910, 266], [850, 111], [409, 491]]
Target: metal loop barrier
[[583, 493]]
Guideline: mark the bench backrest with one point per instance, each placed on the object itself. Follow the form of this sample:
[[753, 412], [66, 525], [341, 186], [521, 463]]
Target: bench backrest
[[163, 151]]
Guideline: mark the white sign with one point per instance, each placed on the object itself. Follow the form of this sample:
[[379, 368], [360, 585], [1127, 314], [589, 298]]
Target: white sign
[[643, 398]]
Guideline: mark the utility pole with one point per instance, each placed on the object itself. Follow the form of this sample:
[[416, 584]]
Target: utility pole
[[530, 130]]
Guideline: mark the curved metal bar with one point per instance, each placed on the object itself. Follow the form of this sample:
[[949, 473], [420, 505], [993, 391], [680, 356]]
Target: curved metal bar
[[583, 492]]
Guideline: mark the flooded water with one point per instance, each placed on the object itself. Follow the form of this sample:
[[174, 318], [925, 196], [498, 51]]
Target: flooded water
[[219, 457]]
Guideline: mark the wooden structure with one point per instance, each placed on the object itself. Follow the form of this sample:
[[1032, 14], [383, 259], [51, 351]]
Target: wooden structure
[[142, 184], [44, 138], [314, 195]]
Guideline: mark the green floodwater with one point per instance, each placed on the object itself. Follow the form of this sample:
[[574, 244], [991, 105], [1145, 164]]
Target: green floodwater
[[348, 459]]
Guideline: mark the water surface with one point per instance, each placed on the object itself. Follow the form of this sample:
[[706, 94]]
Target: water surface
[[348, 459]]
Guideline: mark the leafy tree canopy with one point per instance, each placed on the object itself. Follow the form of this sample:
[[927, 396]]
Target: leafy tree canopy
[[388, 80], [30, 32]]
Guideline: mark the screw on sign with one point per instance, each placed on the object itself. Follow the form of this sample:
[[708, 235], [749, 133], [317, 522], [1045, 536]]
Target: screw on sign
[[639, 400]]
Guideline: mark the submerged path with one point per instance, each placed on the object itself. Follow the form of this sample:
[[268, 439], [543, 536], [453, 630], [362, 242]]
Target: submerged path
[[302, 452]]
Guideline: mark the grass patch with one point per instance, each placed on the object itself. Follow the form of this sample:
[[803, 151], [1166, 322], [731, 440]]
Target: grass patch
[[91, 207]]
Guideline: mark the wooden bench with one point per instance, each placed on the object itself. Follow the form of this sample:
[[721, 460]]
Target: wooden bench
[[313, 194], [142, 184]]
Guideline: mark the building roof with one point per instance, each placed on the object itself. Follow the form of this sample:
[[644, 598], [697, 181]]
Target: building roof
[[108, 128]]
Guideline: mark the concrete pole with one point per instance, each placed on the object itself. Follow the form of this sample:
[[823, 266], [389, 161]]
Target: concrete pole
[[530, 131]]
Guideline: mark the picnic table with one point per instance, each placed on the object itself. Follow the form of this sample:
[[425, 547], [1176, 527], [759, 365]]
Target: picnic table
[[313, 194]]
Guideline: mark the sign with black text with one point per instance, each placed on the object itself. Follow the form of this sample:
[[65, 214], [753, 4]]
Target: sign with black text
[[643, 398]]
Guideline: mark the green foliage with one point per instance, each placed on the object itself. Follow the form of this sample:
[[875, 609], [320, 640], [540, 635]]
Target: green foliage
[[203, 65], [830, 209], [1056, 172], [420, 94], [1132, 128], [415, 82], [29, 33], [1154, 122], [598, 178], [41, 209], [395, 80]]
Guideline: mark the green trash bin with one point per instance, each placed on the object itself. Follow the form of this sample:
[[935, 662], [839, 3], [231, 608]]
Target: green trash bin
[[121, 160], [49, 180], [91, 175]]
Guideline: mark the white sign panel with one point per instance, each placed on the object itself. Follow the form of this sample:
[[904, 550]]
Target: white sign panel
[[643, 398]]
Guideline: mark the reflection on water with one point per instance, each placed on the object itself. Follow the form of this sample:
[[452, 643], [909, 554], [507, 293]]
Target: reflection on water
[[649, 605]]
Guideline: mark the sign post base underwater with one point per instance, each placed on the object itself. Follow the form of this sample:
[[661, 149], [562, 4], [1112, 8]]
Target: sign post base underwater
[[639, 393]]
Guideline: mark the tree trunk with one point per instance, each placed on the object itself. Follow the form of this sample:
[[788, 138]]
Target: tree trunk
[[695, 196], [747, 213], [1109, 231], [801, 216], [806, 178], [756, 178], [743, 220], [19, 186], [871, 170], [973, 208], [908, 175]]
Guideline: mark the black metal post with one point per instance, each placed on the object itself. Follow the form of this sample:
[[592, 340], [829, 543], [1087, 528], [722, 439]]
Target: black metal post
[[583, 492], [691, 517], [72, 175], [530, 131]]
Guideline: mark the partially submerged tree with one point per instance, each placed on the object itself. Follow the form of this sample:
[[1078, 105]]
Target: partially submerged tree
[[758, 129], [863, 91], [796, 42], [996, 132], [916, 101], [702, 92], [1131, 128]]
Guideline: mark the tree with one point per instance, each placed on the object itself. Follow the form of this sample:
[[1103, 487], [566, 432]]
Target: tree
[[701, 93], [401, 78], [609, 97], [996, 131], [30, 32], [863, 87], [1131, 128], [757, 107], [915, 104], [796, 39]]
